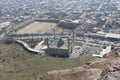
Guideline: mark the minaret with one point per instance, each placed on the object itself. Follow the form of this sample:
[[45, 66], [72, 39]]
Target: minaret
[[54, 34], [73, 42], [47, 45], [68, 46], [73, 36]]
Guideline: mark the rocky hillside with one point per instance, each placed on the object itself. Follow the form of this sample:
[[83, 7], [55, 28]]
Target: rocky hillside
[[107, 68]]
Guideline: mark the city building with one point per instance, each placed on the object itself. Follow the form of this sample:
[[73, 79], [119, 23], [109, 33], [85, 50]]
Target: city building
[[61, 47]]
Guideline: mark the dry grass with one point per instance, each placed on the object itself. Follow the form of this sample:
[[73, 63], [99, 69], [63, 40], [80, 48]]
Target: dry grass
[[17, 64]]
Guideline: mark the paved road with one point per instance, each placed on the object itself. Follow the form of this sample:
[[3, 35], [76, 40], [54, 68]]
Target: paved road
[[100, 6]]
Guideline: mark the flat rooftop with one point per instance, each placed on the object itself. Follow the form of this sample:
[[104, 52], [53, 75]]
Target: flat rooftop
[[106, 35]]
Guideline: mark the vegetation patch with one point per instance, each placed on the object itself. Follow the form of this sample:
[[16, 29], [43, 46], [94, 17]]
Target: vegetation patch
[[18, 64]]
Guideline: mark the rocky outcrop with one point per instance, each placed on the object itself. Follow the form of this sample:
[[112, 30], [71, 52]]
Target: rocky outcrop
[[100, 69]]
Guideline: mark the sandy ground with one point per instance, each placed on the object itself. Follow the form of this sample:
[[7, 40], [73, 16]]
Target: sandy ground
[[37, 27]]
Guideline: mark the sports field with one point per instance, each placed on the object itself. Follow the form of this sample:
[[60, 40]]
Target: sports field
[[37, 27]]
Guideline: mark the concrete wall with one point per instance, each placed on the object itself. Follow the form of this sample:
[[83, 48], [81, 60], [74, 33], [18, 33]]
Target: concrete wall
[[58, 52], [48, 20]]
